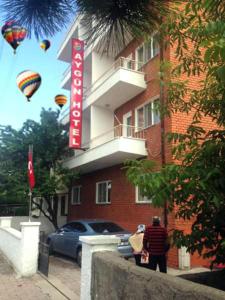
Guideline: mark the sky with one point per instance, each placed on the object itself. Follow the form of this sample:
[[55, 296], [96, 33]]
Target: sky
[[14, 108]]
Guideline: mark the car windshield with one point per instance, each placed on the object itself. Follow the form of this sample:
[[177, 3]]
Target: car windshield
[[105, 227]]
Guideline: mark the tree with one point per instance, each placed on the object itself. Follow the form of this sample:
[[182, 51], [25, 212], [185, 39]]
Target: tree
[[195, 187], [114, 18], [49, 141]]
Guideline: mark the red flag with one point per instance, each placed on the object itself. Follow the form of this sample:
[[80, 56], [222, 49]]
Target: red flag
[[30, 168]]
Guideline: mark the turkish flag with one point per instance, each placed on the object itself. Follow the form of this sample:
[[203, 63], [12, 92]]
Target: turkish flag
[[31, 169]]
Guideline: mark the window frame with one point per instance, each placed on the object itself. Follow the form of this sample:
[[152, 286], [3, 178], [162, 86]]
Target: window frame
[[125, 128], [146, 57], [153, 118], [72, 195], [107, 192], [137, 195], [65, 200]]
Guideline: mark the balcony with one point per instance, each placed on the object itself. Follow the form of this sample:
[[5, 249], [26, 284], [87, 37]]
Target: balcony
[[122, 82], [109, 149], [66, 79]]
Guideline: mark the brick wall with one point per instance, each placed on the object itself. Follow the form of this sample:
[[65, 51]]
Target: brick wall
[[122, 209]]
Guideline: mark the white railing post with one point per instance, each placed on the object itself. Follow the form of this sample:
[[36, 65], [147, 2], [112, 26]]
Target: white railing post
[[184, 258], [91, 244], [5, 222], [29, 247]]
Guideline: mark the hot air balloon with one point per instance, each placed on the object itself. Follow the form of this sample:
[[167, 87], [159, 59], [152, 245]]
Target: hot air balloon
[[60, 100], [45, 44], [13, 34], [28, 82]]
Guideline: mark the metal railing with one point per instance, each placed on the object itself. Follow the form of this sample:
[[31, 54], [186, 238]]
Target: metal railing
[[119, 131], [121, 62], [67, 71]]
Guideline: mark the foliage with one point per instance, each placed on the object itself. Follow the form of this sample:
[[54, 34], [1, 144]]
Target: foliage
[[195, 186], [49, 141], [116, 19], [115, 22], [44, 18]]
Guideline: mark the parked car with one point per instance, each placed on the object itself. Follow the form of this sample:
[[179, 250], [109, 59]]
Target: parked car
[[66, 239]]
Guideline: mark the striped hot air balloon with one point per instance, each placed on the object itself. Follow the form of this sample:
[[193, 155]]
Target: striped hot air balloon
[[13, 34], [28, 82], [45, 44], [60, 100]]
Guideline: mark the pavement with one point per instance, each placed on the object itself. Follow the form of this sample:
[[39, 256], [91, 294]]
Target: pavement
[[63, 282]]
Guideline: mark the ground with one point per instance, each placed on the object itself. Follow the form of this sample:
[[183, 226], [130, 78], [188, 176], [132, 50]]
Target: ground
[[63, 282]]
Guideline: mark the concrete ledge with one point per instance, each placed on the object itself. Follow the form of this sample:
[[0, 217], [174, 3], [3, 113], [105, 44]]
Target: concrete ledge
[[115, 278], [99, 239], [15, 233]]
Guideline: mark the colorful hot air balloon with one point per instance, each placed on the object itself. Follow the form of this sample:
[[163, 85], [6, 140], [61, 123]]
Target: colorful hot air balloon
[[45, 44], [60, 100], [28, 82], [13, 34]]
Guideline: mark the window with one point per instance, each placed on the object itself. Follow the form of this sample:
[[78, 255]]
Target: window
[[103, 191], [140, 198], [155, 45], [76, 226], [105, 227], [127, 125], [63, 209], [128, 63], [147, 115], [156, 114], [140, 54], [147, 50], [76, 195]]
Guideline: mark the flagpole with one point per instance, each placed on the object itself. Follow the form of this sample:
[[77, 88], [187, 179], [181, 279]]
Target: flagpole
[[31, 177], [30, 200]]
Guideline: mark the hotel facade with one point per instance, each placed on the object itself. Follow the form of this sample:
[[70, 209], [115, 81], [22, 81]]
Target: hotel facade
[[119, 122]]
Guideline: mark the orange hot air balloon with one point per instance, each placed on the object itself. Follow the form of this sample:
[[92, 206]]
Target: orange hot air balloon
[[60, 100]]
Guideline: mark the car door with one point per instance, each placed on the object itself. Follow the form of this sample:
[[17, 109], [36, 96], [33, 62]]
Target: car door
[[59, 238], [71, 238]]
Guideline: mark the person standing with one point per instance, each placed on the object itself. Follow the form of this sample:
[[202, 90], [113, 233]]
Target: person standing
[[136, 242], [155, 243]]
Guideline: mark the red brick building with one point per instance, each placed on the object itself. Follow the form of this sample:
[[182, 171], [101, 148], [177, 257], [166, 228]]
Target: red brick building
[[119, 123]]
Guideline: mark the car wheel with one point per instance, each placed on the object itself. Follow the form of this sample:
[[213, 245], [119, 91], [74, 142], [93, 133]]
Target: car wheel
[[79, 257]]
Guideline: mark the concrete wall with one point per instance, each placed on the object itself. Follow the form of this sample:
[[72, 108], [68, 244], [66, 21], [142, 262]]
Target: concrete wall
[[100, 64], [113, 278], [45, 226], [20, 247], [101, 122]]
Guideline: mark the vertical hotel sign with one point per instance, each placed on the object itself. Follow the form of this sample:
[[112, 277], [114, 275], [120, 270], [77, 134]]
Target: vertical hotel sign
[[76, 94]]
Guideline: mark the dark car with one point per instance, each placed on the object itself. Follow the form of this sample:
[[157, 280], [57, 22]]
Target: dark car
[[66, 239]]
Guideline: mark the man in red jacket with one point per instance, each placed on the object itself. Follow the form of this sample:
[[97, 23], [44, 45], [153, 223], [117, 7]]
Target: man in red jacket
[[154, 242]]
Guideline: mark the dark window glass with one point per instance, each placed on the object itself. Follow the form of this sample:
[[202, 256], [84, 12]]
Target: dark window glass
[[78, 227], [63, 206], [105, 227]]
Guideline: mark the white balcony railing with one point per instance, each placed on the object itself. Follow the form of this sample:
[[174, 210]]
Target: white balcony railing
[[66, 72], [122, 62], [122, 130]]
